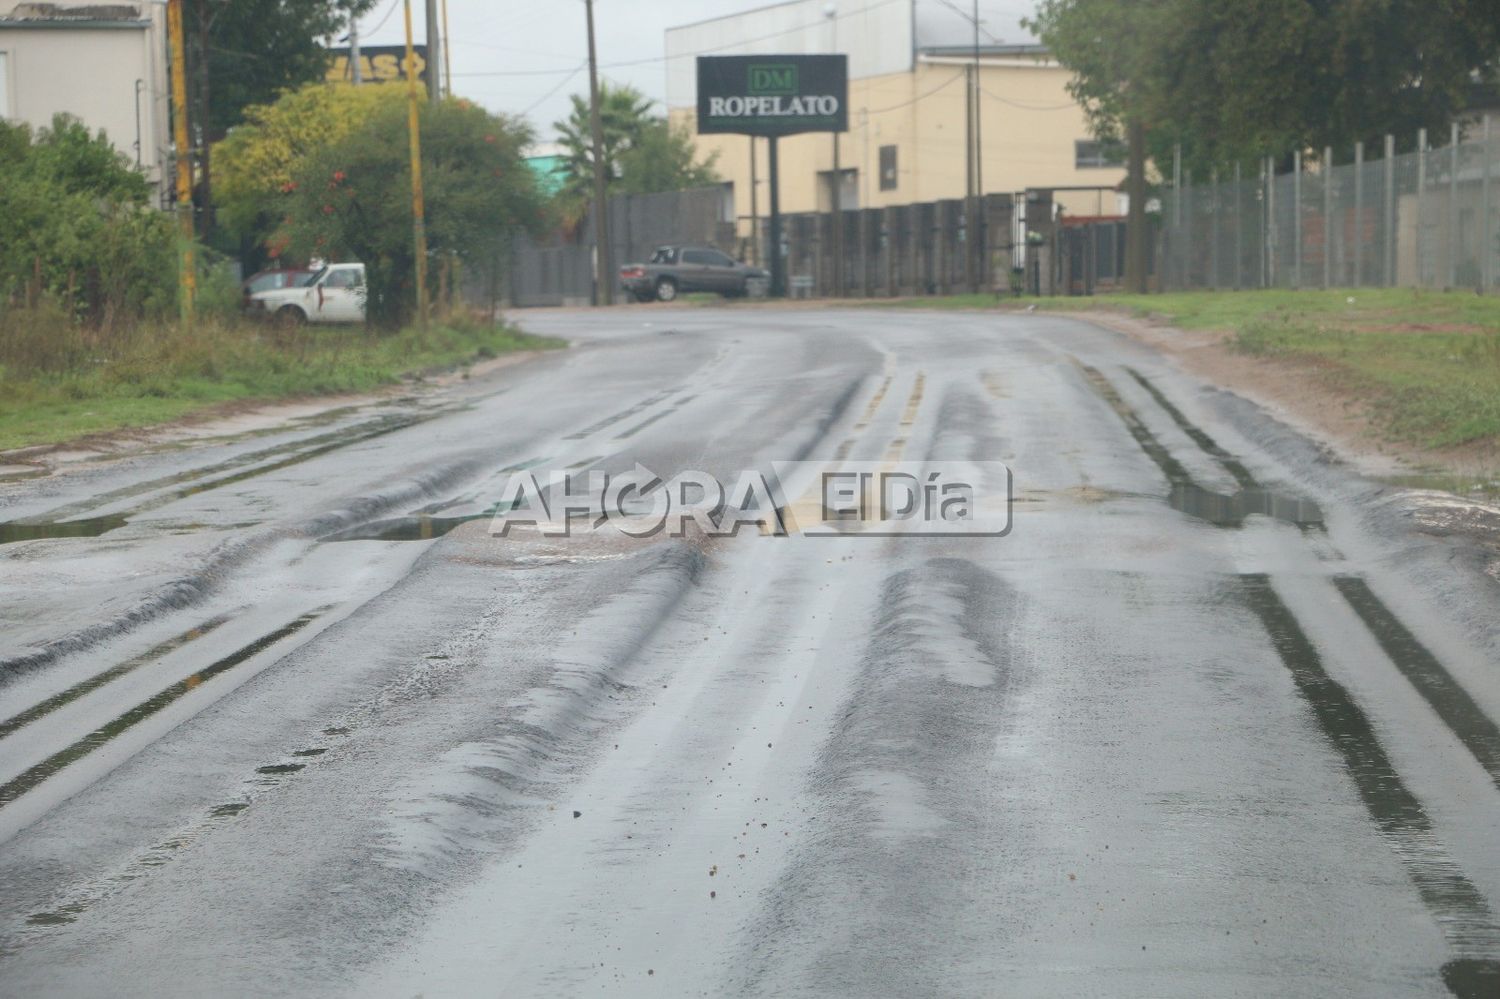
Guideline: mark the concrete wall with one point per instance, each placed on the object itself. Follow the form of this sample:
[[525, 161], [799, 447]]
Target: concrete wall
[[90, 69], [1029, 126]]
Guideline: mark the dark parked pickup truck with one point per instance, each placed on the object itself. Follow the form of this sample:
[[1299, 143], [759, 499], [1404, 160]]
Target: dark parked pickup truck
[[675, 270]]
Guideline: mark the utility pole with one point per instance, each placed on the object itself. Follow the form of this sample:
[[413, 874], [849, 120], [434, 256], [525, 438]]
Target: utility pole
[[418, 209], [354, 71], [605, 272], [434, 54], [187, 278], [1135, 222], [205, 167], [447, 63], [754, 209]]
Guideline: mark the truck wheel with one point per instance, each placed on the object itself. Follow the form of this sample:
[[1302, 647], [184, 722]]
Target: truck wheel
[[666, 289], [289, 316]]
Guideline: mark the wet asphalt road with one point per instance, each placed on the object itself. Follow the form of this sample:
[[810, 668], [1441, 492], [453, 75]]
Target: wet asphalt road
[[1216, 718]]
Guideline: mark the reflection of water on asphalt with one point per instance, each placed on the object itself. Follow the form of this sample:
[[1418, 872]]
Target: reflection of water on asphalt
[[1231, 511]]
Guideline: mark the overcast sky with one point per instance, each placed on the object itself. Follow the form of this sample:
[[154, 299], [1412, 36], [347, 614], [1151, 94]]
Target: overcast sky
[[526, 58]]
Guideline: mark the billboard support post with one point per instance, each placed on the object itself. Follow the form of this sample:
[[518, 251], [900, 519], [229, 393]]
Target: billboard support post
[[778, 262]]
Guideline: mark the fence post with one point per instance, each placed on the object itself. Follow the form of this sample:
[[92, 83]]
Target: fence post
[[1389, 244], [1179, 257], [1215, 210], [1297, 219], [1359, 214], [1267, 223], [1239, 226], [1453, 205], [1486, 248], [1327, 216], [1419, 248]]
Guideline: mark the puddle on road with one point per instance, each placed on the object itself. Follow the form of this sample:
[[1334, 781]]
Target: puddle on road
[[1460, 910], [1472, 978], [1186, 495], [418, 528], [14, 531], [1231, 511], [277, 769]]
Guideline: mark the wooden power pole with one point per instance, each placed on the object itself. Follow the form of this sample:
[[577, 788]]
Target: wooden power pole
[[187, 278], [413, 127]]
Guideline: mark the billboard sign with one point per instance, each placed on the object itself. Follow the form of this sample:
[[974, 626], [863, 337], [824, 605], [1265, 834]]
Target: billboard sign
[[377, 64], [773, 94]]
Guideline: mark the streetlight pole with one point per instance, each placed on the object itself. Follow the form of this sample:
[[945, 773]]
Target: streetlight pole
[[604, 280]]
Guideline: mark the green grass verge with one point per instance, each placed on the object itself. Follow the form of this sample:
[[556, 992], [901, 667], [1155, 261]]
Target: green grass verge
[[51, 392], [1426, 362]]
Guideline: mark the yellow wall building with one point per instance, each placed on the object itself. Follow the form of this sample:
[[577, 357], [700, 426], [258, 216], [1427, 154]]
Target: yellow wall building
[[907, 109]]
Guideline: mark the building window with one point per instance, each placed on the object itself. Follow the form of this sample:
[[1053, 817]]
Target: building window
[[887, 168], [4, 88], [1091, 154]]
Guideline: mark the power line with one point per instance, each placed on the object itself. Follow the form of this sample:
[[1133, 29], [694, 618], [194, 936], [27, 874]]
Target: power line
[[1028, 107], [388, 12], [560, 84], [920, 97]]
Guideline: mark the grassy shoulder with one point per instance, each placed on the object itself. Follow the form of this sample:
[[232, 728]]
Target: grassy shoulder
[[58, 382], [1426, 363]]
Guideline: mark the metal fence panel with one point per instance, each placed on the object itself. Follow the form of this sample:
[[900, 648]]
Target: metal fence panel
[[1428, 218]]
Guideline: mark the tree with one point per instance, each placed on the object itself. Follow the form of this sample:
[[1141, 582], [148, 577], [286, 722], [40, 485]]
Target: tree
[[351, 198], [257, 161], [243, 53], [642, 152], [77, 226], [662, 158], [1237, 81], [1114, 50], [256, 49]]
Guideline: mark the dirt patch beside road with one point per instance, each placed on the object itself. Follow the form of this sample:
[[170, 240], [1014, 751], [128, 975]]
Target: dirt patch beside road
[[1312, 395]]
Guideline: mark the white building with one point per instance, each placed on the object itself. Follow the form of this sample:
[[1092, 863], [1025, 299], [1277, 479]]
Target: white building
[[105, 64]]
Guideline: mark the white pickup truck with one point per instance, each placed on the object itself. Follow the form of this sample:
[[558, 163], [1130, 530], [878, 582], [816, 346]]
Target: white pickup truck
[[336, 294]]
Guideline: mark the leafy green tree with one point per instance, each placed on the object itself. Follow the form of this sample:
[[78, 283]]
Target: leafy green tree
[[642, 152], [77, 226], [1236, 81], [257, 160], [1114, 51], [351, 198], [663, 158]]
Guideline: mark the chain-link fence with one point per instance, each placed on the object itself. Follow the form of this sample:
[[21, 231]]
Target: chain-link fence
[[1422, 219]]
